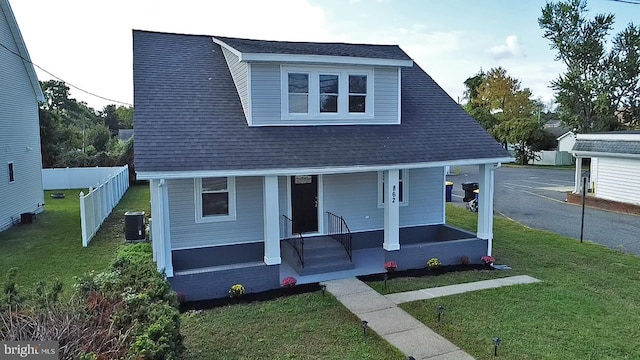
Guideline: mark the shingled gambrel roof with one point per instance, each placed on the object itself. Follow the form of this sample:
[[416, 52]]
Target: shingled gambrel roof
[[607, 146], [310, 48], [189, 118]]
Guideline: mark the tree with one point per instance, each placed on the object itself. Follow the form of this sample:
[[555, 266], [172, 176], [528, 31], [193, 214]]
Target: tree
[[99, 136], [480, 113], [625, 73], [110, 118], [506, 111], [597, 86], [125, 117]]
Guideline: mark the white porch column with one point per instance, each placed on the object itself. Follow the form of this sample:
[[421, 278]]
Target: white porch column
[[391, 210], [271, 221], [577, 187], [161, 230], [485, 204]]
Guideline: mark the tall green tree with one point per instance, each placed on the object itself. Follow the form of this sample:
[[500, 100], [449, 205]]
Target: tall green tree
[[597, 86], [125, 116], [507, 112], [110, 118]]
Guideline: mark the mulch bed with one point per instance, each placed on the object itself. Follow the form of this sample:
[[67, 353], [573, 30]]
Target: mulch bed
[[308, 288], [425, 272], [249, 298]]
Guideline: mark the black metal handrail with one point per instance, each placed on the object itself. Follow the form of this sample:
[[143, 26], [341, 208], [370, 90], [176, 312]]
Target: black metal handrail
[[339, 230], [295, 240]]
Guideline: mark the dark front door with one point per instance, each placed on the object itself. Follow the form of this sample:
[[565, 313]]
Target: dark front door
[[304, 203]]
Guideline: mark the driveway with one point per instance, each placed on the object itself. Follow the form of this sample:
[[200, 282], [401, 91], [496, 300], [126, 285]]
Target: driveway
[[536, 197]]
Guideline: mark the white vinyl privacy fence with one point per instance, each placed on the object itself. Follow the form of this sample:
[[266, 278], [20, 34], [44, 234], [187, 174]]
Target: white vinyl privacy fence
[[96, 205], [77, 178]]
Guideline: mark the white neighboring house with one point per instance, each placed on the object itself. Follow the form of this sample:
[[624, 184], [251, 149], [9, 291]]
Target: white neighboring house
[[20, 157], [566, 141], [615, 165]]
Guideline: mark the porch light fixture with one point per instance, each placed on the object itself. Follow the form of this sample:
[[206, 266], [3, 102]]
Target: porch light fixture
[[496, 343], [364, 325], [439, 310], [385, 277], [323, 287]]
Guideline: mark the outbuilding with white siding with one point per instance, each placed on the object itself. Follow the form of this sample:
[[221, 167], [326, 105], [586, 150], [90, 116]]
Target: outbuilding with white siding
[[20, 157], [615, 165]]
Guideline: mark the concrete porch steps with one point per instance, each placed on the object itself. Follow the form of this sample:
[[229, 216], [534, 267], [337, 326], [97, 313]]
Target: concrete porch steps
[[322, 254]]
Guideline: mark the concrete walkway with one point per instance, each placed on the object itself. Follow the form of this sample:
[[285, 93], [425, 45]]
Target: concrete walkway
[[396, 326], [399, 298]]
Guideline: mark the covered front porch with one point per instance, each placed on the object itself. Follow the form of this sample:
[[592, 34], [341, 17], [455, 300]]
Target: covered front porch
[[417, 245], [394, 214]]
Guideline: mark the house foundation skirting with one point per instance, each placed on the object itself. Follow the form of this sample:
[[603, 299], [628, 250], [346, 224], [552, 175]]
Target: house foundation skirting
[[215, 282], [415, 256]]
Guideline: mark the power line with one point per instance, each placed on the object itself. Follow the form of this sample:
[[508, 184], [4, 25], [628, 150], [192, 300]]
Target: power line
[[59, 78], [634, 2]]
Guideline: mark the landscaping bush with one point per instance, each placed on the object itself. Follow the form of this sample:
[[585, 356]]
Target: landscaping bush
[[126, 312], [139, 301]]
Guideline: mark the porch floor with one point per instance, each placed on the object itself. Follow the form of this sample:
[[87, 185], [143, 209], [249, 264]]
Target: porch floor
[[367, 261]]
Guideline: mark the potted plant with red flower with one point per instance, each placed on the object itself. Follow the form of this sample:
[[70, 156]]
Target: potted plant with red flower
[[390, 266], [488, 260]]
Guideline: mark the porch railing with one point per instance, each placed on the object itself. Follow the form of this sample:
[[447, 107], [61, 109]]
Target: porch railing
[[339, 230], [295, 240]]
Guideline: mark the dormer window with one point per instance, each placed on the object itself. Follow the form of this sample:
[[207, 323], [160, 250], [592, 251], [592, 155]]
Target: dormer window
[[325, 92], [329, 91], [298, 84]]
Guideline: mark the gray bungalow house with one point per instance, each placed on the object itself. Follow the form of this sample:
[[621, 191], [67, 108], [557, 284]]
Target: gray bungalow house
[[269, 159], [20, 156]]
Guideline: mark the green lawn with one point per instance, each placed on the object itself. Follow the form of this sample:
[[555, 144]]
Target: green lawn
[[307, 326], [587, 307], [51, 247]]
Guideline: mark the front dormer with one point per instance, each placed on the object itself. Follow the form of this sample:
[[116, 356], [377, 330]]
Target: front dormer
[[297, 84]]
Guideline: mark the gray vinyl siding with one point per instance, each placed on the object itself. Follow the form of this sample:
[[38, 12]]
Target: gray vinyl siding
[[248, 226], [266, 97], [239, 72], [19, 136], [426, 198], [355, 197], [265, 94], [385, 92]]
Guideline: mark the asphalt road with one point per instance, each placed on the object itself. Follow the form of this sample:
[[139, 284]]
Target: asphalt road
[[536, 197]]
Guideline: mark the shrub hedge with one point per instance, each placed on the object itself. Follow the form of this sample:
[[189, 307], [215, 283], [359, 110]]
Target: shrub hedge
[[127, 312]]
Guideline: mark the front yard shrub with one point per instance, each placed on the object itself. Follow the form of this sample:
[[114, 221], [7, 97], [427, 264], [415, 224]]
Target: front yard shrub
[[126, 312], [138, 300]]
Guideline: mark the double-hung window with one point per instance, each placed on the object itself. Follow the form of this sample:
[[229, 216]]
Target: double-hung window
[[298, 85], [316, 93], [403, 180], [215, 199]]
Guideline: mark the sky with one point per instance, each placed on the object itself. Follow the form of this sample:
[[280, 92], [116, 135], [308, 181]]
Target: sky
[[88, 44]]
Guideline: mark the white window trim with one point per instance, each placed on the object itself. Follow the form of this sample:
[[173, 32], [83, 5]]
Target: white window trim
[[11, 168], [231, 188], [405, 188], [314, 92]]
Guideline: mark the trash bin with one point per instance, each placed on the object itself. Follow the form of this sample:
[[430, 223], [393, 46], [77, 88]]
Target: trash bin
[[468, 188], [449, 188]]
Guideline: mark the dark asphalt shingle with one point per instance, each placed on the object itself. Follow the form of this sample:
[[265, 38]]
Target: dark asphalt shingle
[[189, 117], [607, 146], [309, 48]]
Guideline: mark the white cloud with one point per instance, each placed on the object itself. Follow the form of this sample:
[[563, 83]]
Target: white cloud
[[89, 43], [510, 49]]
